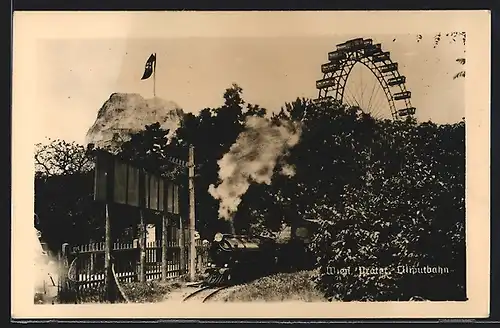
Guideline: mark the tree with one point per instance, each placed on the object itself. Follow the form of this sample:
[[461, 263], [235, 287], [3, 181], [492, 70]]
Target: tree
[[64, 193], [212, 132], [461, 61], [150, 149], [387, 193], [407, 209], [66, 209], [452, 38], [60, 157]]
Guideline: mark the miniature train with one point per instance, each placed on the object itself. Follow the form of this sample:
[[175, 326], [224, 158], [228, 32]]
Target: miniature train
[[238, 258]]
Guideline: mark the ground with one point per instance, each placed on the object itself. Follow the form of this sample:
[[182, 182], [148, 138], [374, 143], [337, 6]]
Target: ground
[[296, 286], [151, 291]]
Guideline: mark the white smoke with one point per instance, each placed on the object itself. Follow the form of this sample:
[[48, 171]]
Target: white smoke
[[46, 269], [252, 159]]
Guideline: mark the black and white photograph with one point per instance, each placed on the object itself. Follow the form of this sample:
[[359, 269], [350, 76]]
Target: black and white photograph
[[310, 164]]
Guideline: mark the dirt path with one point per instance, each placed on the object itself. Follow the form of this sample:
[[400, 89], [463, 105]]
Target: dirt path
[[178, 295], [219, 297]]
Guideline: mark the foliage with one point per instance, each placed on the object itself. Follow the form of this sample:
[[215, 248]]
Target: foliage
[[406, 208], [150, 150], [64, 194], [66, 209], [452, 38], [461, 61], [212, 132], [297, 286], [60, 157], [388, 193], [148, 292]]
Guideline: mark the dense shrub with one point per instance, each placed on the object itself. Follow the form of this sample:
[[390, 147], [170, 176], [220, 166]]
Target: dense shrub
[[148, 292], [407, 210], [389, 193], [297, 286]]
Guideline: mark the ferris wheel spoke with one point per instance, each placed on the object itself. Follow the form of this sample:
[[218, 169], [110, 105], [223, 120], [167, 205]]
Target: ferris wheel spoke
[[352, 96], [345, 98], [376, 113], [382, 103], [365, 90], [374, 89], [359, 96], [350, 102], [363, 87], [359, 87], [375, 109], [379, 102]]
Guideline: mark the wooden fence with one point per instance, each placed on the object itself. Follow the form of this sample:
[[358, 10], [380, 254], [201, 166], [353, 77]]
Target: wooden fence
[[86, 270]]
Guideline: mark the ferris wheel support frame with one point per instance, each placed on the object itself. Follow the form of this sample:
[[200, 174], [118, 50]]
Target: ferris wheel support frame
[[344, 65]]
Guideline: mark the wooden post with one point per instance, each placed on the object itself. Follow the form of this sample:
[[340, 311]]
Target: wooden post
[[107, 258], [182, 249], [142, 248], [64, 263], [192, 220], [164, 241], [143, 185], [92, 257]]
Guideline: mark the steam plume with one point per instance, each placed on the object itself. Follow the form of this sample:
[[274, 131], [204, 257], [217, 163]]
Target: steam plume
[[252, 158], [46, 269]]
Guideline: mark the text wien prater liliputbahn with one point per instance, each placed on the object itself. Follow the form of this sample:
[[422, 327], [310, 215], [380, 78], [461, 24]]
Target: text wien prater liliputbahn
[[373, 270]]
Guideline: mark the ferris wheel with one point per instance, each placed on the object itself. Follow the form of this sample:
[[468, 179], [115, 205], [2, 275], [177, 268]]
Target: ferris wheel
[[376, 86]]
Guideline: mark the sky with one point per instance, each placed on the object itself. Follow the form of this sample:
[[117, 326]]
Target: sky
[[75, 76]]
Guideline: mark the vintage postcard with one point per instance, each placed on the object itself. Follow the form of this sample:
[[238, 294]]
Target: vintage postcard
[[251, 164]]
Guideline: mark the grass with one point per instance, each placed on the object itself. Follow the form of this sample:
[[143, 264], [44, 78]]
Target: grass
[[136, 292], [154, 291], [149, 292], [297, 286]]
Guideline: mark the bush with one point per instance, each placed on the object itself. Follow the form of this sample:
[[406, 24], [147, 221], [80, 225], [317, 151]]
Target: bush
[[148, 292], [280, 287], [407, 210]]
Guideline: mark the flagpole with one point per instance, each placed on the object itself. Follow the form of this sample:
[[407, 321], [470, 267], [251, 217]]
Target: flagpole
[[154, 78]]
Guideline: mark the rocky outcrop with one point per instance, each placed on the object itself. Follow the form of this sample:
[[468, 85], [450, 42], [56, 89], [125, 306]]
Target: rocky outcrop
[[124, 114]]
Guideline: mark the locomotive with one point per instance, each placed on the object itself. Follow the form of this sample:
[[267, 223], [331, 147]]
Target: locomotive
[[239, 258], [236, 258]]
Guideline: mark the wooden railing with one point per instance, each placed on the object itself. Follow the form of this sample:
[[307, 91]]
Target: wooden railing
[[86, 271]]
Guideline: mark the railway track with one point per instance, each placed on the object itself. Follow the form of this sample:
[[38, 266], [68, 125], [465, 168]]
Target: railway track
[[204, 294]]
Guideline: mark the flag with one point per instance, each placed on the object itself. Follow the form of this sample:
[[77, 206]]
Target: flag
[[150, 67]]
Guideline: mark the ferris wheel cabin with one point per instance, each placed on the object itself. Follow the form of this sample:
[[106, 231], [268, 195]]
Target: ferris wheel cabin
[[336, 55], [402, 95], [381, 57], [329, 67], [389, 68], [325, 83], [373, 49], [396, 80], [407, 111], [350, 45], [322, 100]]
